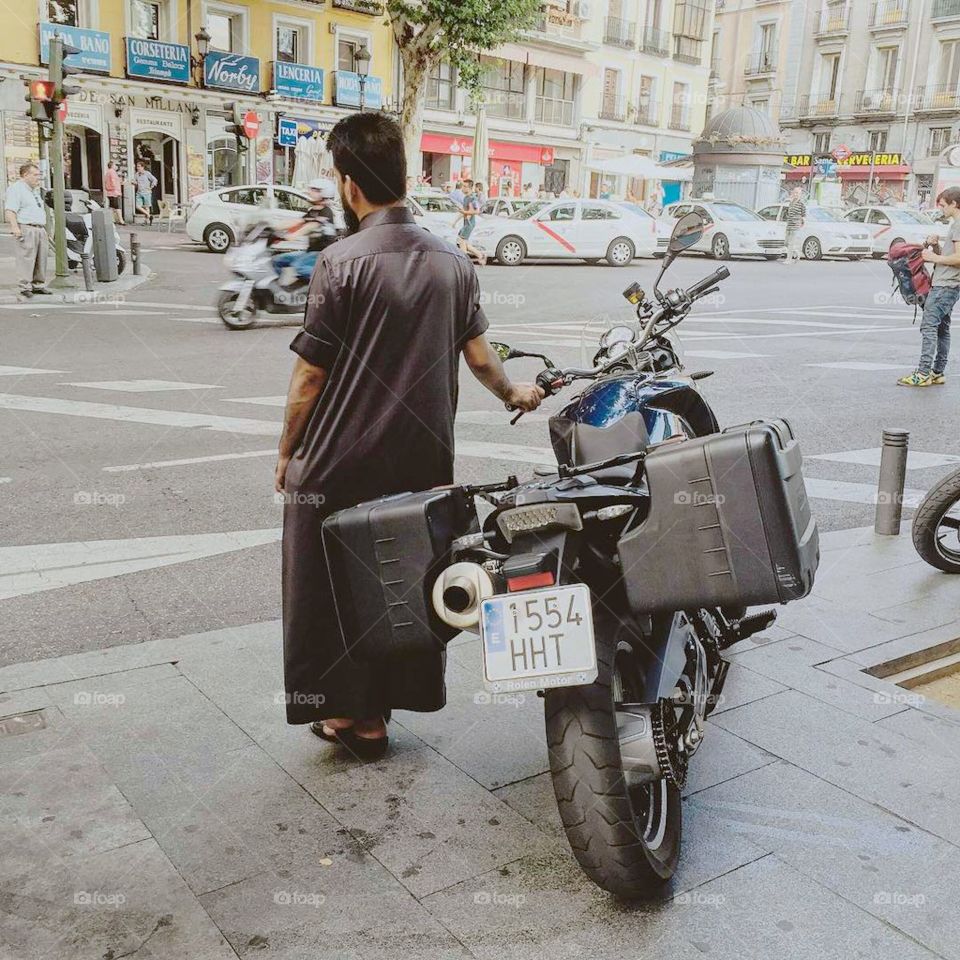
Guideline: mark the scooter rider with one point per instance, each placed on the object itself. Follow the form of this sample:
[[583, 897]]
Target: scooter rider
[[317, 225]]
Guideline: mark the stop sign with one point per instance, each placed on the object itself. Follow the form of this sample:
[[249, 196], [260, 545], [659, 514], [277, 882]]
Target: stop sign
[[842, 152], [251, 124]]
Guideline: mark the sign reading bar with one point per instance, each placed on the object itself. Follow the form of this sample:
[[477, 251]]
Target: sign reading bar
[[853, 160], [231, 71], [297, 81], [155, 60], [348, 90], [94, 46]]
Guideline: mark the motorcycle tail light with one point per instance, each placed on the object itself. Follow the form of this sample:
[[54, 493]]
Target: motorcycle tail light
[[529, 581]]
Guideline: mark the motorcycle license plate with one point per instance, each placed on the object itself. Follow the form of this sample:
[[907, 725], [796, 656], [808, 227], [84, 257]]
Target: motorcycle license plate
[[538, 639]]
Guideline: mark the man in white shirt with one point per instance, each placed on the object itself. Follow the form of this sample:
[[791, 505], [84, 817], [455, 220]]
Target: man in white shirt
[[28, 224]]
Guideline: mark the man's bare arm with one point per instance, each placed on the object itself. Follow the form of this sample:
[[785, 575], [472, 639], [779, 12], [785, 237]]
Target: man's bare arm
[[485, 365], [11, 218], [306, 385]]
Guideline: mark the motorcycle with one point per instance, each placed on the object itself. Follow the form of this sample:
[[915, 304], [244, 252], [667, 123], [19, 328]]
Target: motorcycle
[[78, 221], [611, 586], [936, 525], [258, 285]]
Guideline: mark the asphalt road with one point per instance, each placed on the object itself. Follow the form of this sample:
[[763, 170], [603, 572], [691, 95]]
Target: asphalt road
[[130, 514]]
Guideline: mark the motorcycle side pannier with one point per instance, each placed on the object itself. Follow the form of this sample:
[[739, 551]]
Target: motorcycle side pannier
[[729, 523], [384, 556]]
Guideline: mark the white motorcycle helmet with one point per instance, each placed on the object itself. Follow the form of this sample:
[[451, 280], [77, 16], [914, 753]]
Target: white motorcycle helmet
[[324, 186]]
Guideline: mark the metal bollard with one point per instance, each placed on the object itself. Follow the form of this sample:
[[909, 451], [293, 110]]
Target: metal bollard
[[135, 253], [893, 472], [87, 272]]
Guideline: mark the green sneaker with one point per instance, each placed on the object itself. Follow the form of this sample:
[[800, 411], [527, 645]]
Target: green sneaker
[[916, 379], [937, 379]]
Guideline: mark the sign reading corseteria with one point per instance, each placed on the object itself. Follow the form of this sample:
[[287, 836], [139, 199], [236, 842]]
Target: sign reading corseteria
[[297, 81], [156, 60], [853, 160], [231, 71]]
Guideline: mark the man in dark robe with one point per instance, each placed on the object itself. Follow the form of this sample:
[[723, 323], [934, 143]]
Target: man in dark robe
[[370, 412]]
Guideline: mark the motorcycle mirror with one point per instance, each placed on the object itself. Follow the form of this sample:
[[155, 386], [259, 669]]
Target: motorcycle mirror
[[686, 232], [503, 350]]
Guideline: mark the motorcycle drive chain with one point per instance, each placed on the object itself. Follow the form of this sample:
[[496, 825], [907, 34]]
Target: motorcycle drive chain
[[672, 761]]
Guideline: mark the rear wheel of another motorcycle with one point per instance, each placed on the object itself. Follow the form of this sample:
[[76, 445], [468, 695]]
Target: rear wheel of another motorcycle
[[625, 836], [121, 261], [936, 526], [233, 318]]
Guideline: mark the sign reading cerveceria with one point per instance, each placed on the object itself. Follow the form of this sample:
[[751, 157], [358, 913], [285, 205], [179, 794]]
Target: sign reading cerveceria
[[854, 160]]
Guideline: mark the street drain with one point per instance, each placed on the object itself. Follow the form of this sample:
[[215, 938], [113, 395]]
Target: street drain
[[933, 673], [22, 723]]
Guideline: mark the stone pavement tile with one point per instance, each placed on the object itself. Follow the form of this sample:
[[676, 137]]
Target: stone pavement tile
[[837, 626], [33, 725], [61, 804], [913, 645], [935, 732], [495, 738], [721, 757], [772, 634], [121, 903], [933, 610], [348, 909], [108, 687], [873, 859], [912, 780], [744, 686], [791, 662], [534, 800], [901, 584], [896, 549], [762, 910]]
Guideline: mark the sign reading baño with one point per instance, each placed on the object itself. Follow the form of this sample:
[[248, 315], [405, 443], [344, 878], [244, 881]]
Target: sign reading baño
[[155, 60], [94, 46]]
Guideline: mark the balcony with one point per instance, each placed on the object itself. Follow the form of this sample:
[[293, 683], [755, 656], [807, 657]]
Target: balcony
[[938, 98], [875, 103], [945, 10], [613, 108], [834, 22], [818, 105], [688, 50], [679, 119], [553, 111], [620, 33], [656, 42], [648, 113], [889, 15], [760, 64]]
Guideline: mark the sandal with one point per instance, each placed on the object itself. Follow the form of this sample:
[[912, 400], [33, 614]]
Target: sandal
[[366, 748]]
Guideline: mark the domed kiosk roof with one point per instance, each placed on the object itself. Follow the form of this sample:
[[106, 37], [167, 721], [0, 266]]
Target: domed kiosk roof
[[739, 130]]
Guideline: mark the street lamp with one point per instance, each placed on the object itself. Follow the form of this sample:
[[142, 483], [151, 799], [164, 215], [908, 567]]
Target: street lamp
[[202, 36], [361, 63]]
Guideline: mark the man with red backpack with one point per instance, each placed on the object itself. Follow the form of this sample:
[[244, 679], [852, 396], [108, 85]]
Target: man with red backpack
[[940, 301]]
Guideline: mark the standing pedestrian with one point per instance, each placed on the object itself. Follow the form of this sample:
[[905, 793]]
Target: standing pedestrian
[[370, 412], [943, 295], [145, 182], [796, 217], [28, 224], [457, 193], [113, 188], [468, 214]]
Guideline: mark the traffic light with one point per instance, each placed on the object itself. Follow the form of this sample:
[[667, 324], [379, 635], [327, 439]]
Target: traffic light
[[40, 97], [236, 126], [60, 70]]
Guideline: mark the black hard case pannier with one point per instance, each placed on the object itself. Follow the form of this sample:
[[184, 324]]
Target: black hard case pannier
[[383, 557], [729, 523]]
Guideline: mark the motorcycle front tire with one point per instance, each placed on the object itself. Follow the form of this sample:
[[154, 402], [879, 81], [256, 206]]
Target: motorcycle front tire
[[928, 522], [230, 317]]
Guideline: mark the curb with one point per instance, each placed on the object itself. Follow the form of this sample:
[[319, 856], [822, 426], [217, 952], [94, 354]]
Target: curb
[[101, 293]]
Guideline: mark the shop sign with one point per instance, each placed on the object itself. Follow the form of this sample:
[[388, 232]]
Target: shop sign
[[143, 121], [348, 90], [231, 71], [94, 46], [286, 132], [372, 7], [297, 81], [84, 115], [853, 160], [155, 60]]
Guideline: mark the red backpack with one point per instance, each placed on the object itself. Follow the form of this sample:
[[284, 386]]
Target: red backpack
[[910, 276]]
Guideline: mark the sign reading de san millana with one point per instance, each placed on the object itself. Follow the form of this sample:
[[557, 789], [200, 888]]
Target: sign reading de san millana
[[297, 81], [94, 46], [155, 60], [231, 71], [348, 90]]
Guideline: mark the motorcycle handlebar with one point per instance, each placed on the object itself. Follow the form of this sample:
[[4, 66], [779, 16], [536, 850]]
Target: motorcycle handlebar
[[706, 283]]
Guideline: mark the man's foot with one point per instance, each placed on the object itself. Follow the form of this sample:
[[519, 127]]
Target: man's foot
[[42, 292], [937, 379], [25, 294], [916, 379]]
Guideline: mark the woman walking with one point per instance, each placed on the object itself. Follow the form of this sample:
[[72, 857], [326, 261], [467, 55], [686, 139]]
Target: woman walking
[[113, 188]]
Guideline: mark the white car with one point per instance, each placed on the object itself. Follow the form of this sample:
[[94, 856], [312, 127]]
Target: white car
[[731, 230], [436, 213], [889, 225], [825, 233], [590, 230], [503, 206]]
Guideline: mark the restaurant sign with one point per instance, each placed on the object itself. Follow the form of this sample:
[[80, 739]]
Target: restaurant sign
[[853, 160]]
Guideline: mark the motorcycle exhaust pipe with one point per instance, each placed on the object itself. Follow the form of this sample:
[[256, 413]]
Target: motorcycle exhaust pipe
[[457, 594]]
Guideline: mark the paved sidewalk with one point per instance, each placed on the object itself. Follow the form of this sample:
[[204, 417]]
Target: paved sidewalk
[[155, 805]]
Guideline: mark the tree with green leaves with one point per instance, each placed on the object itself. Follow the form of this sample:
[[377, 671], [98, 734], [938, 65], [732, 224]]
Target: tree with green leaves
[[430, 31]]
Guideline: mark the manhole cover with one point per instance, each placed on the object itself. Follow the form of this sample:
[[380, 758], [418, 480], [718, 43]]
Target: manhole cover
[[22, 723]]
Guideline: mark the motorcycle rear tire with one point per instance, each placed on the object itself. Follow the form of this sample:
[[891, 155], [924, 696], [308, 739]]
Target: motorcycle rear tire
[[928, 520], [231, 319], [605, 827]]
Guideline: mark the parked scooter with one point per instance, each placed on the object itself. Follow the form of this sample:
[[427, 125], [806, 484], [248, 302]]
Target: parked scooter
[[611, 586], [936, 525], [78, 221]]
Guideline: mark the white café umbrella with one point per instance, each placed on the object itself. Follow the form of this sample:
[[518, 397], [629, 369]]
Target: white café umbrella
[[629, 165], [480, 161]]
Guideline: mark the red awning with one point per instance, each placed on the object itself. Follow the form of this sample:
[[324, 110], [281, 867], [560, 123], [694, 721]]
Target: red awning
[[499, 150], [899, 172]]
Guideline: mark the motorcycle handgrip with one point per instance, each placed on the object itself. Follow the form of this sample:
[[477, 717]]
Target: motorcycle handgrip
[[707, 282]]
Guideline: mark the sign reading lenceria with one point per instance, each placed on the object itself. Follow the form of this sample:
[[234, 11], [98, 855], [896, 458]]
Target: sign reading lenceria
[[853, 160]]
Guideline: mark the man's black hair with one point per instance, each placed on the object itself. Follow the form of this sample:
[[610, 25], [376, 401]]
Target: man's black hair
[[950, 195], [368, 148]]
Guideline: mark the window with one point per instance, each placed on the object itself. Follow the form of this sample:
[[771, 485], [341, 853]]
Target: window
[[593, 211], [647, 107], [292, 42], [857, 216], [886, 76], [654, 14], [762, 105], [680, 107], [876, 216], [249, 196], [767, 45], [565, 212], [437, 203], [347, 47], [611, 107], [66, 12], [940, 139], [441, 87], [948, 68], [877, 141], [555, 96], [770, 213], [503, 87], [286, 200], [821, 142], [145, 19], [690, 18], [226, 31]]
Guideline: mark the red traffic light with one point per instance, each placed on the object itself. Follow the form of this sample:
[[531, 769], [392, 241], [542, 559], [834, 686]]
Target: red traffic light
[[42, 90]]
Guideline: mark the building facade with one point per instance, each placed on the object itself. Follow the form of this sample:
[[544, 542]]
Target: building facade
[[147, 94]]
